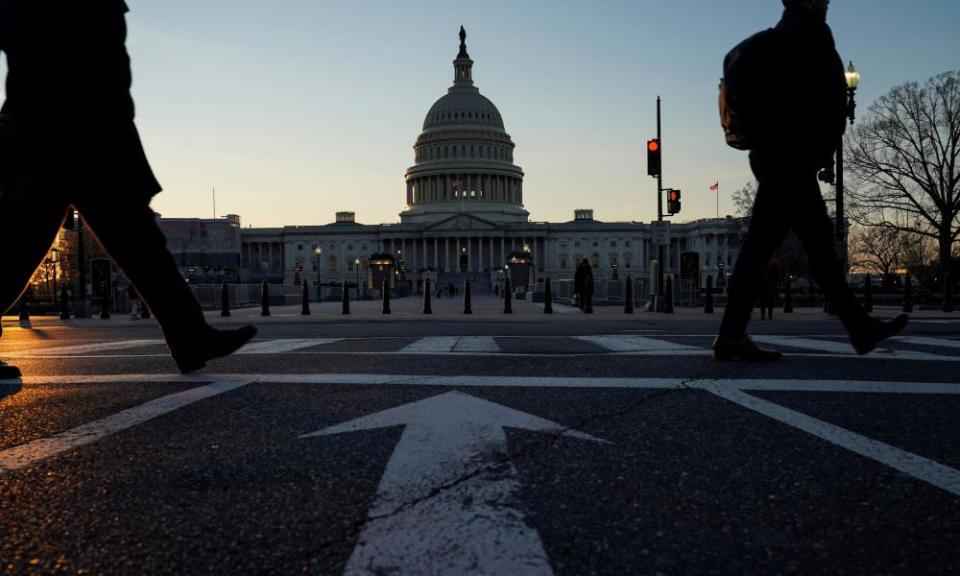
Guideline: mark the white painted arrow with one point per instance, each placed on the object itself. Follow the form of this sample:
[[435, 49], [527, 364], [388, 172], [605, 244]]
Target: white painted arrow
[[447, 502]]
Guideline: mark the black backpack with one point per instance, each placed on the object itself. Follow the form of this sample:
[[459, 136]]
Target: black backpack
[[743, 99]]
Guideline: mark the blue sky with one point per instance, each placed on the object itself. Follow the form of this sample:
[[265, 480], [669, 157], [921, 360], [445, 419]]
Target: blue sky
[[296, 109]]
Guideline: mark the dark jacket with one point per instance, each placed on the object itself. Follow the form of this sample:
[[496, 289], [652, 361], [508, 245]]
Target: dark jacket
[[580, 277], [68, 82], [807, 91]]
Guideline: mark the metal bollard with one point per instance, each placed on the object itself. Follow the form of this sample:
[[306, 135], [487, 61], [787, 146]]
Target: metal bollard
[[345, 299], [788, 295], [427, 306], [708, 297], [947, 292], [867, 294], [264, 299], [547, 296], [65, 305], [907, 294], [467, 308], [628, 296], [507, 297], [386, 296], [305, 307], [588, 295], [224, 300], [668, 288]]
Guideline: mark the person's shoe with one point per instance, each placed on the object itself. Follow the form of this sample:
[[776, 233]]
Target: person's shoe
[[193, 354], [8, 372], [742, 348], [875, 331]]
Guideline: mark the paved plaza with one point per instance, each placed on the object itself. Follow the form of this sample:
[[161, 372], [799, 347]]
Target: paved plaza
[[482, 444]]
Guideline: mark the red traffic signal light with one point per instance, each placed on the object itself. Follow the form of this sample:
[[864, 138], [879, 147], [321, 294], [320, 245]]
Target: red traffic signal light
[[653, 157], [673, 201]]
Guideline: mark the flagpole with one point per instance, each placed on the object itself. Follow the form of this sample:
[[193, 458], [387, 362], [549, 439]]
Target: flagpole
[[718, 199]]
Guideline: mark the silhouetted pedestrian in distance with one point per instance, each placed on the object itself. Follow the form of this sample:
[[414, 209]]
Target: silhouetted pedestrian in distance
[[584, 270], [792, 122], [68, 118], [768, 294]]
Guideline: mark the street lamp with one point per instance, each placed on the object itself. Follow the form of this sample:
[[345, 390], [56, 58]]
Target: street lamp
[[55, 259], [318, 250], [356, 264], [853, 81]]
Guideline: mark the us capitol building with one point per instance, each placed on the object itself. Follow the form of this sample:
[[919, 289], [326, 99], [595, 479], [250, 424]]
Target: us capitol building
[[465, 217]]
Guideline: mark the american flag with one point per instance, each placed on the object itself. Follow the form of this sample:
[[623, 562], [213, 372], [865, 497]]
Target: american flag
[[715, 187]]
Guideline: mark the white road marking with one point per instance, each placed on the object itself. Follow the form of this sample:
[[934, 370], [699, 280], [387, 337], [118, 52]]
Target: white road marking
[[629, 343], [844, 348], [465, 381], [447, 502], [32, 452], [86, 348], [476, 344], [921, 468], [283, 345], [927, 341], [431, 345]]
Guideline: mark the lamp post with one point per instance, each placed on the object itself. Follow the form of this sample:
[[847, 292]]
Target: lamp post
[[526, 255], [55, 259], [356, 264], [853, 81], [318, 250]]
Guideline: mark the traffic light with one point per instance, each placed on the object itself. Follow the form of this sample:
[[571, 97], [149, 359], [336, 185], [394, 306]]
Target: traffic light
[[673, 201], [653, 157]]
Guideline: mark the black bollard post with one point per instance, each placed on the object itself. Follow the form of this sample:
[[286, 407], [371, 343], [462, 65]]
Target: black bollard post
[[467, 304], [305, 307], [708, 297], [788, 295], [907, 293], [427, 306], [224, 300], [628, 296], [507, 297], [547, 296], [64, 304], [264, 299], [947, 293], [345, 299], [588, 295], [867, 294], [104, 305], [24, 311], [386, 296], [668, 288]]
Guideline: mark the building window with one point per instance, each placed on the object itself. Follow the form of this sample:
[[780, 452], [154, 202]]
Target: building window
[[613, 243], [596, 244], [576, 244], [299, 246], [627, 258], [332, 264], [350, 260], [595, 260]]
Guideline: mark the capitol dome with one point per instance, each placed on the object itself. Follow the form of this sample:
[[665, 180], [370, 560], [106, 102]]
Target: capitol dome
[[464, 157]]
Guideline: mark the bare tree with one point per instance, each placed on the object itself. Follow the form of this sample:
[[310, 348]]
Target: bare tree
[[743, 199], [878, 250], [904, 156]]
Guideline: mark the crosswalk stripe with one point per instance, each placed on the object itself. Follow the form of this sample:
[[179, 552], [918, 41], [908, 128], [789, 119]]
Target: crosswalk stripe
[[844, 348], [476, 344], [927, 341], [431, 345], [286, 345], [630, 343], [31, 452], [87, 348]]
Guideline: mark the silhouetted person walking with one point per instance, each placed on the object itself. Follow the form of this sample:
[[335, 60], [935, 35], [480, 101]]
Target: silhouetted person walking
[[583, 271], [791, 121], [68, 117]]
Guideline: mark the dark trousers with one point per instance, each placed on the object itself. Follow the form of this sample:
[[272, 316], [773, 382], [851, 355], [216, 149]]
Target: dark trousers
[[788, 198], [127, 230]]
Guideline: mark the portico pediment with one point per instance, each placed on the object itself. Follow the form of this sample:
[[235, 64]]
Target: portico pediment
[[463, 223]]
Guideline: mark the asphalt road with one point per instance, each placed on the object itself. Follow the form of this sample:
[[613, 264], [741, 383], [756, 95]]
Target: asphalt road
[[481, 445]]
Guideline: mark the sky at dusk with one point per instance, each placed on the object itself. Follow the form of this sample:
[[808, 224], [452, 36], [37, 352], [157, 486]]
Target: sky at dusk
[[294, 110]]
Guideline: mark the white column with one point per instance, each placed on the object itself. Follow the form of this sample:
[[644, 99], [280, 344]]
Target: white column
[[470, 260]]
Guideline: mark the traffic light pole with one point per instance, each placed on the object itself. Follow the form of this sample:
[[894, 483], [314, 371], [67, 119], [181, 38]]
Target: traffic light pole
[[661, 249]]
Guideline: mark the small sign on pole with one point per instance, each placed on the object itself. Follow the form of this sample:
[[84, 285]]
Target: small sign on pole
[[660, 231]]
